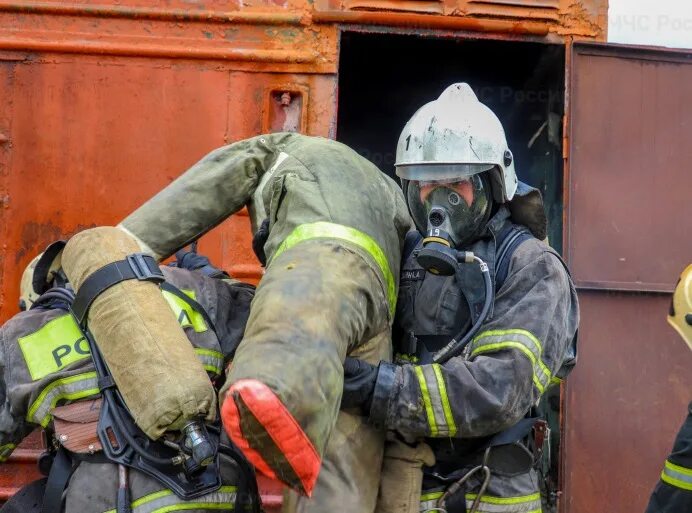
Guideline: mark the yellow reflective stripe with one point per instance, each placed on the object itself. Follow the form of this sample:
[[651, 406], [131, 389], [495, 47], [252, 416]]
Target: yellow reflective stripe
[[514, 331], [54, 346], [165, 501], [489, 499], [212, 360], [512, 345], [677, 468], [428, 501], [70, 388], [187, 316], [323, 229], [6, 450], [525, 341], [677, 476], [449, 418], [426, 400], [555, 380], [490, 504], [435, 400]]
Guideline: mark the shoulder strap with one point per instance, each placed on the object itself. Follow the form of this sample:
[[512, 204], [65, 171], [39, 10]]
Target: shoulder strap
[[510, 239], [168, 287], [59, 475], [410, 242], [136, 266]]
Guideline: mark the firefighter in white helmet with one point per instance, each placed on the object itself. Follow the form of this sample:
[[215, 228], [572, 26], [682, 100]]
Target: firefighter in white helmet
[[673, 493], [487, 314]]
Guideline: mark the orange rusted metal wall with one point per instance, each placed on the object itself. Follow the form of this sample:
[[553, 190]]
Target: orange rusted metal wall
[[102, 103]]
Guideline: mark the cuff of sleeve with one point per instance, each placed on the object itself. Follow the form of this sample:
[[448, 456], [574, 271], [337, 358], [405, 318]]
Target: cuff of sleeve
[[381, 394]]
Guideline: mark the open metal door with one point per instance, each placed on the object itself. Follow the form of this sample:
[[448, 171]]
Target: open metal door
[[628, 226]]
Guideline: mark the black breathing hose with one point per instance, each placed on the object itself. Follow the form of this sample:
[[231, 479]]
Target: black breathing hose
[[109, 397], [455, 346]]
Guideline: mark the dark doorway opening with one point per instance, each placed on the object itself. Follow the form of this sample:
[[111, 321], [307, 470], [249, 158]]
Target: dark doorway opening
[[385, 78]]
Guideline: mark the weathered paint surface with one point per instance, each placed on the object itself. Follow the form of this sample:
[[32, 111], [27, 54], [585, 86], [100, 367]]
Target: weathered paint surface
[[103, 103], [627, 227]]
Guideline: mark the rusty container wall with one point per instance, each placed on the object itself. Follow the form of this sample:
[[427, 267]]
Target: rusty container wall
[[102, 107], [103, 103], [628, 239]]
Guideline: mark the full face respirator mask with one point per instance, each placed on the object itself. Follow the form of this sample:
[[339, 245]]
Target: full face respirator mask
[[450, 214]]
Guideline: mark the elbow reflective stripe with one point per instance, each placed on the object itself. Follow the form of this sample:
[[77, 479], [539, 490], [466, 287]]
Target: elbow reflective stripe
[[489, 504], [5, 451], [435, 400], [70, 388], [325, 230], [166, 501], [212, 360], [187, 316], [522, 340], [677, 476]]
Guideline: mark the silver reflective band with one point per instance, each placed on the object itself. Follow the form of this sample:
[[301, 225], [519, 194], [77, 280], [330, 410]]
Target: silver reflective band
[[5, 451], [677, 476], [428, 502], [435, 400], [166, 501], [69, 388], [212, 360], [489, 504]]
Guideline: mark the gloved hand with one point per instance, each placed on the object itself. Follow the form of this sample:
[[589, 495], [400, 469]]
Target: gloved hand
[[359, 383], [259, 240], [193, 261]]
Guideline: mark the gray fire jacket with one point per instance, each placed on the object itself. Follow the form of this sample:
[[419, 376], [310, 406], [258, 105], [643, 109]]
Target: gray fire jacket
[[523, 346], [45, 362]]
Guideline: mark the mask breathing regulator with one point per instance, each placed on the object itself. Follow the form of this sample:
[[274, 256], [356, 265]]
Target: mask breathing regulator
[[439, 257]]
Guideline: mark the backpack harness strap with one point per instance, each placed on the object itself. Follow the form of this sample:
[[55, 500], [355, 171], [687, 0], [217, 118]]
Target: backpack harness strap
[[510, 238]]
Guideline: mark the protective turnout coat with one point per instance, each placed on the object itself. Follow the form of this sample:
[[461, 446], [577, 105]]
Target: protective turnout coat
[[673, 493], [45, 362], [521, 347], [335, 229]]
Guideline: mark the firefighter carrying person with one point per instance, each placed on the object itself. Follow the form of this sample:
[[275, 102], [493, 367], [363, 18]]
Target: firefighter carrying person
[[475, 353], [334, 228], [673, 493], [330, 227], [46, 364]]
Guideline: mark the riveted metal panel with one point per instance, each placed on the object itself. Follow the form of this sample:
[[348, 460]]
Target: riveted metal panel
[[625, 401], [630, 152]]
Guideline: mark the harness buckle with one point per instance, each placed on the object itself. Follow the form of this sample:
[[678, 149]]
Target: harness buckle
[[144, 267]]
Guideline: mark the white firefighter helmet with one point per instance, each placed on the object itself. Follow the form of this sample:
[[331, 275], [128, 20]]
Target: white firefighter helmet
[[680, 314], [455, 137]]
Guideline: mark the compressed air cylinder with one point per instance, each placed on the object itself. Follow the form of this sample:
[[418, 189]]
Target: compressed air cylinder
[[151, 360]]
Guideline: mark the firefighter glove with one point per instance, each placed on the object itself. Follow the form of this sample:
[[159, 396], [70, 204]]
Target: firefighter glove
[[365, 384]]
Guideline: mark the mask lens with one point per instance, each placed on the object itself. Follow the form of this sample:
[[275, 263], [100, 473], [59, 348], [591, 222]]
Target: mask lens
[[466, 202]]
